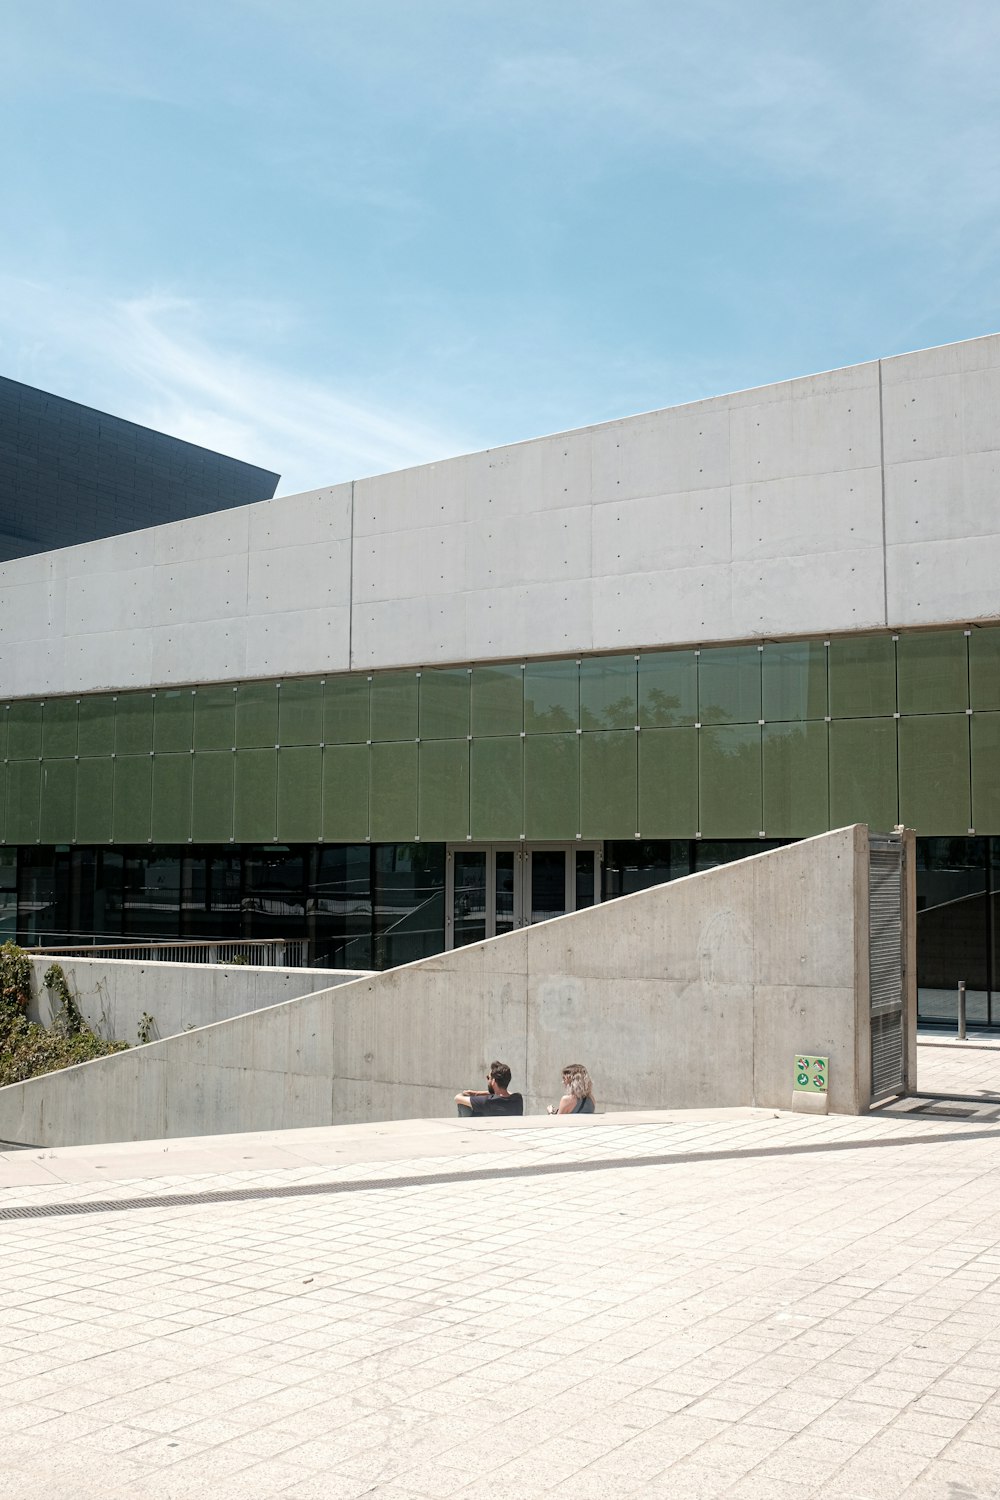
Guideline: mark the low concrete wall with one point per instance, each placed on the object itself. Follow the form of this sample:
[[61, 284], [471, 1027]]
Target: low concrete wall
[[113, 994], [696, 993]]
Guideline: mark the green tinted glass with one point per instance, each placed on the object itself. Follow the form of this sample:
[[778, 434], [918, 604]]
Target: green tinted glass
[[394, 706], [609, 693], [59, 730], [552, 786], [794, 681], [444, 789], [212, 795], [863, 773], [173, 719], [986, 773], [497, 788], [445, 700], [393, 795], [133, 799], [729, 685], [609, 784], [255, 806], [345, 792], [552, 697], [257, 718], [300, 712], [497, 701], [94, 790], [23, 801], [668, 783], [935, 795], [984, 667], [214, 719], [134, 724], [58, 791], [24, 731], [862, 677], [668, 689], [346, 712], [932, 672], [172, 776], [796, 780], [729, 777], [300, 793]]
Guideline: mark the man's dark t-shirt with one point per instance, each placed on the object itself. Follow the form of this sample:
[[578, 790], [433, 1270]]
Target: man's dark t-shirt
[[496, 1104]]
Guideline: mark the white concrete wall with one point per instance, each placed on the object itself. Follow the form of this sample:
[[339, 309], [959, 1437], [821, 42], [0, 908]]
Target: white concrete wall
[[114, 994], [696, 993], [756, 514]]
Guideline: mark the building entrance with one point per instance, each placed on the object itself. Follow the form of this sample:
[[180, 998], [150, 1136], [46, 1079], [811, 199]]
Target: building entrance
[[495, 888]]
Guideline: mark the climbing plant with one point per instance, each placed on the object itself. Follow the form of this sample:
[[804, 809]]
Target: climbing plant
[[28, 1049]]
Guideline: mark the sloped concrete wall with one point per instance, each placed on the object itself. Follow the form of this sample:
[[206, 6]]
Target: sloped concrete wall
[[690, 995], [114, 994]]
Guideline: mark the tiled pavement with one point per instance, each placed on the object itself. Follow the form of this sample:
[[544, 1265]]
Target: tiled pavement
[[737, 1304]]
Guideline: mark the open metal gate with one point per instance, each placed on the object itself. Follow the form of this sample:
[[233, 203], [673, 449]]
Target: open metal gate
[[886, 936]]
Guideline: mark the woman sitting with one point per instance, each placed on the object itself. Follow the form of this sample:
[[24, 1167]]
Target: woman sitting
[[578, 1092]]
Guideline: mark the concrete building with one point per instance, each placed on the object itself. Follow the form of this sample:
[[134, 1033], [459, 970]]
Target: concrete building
[[403, 714], [70, 474]]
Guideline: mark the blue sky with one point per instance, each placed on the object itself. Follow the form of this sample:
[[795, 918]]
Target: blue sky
[[336, 238]]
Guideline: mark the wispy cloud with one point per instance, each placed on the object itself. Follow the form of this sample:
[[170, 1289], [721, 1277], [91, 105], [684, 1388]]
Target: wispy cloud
[[168, 363]]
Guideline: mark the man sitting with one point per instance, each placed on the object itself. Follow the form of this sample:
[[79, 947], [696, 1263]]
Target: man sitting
[[494, 1099]]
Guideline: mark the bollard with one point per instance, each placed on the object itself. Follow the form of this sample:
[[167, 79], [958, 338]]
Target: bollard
[[961, 1010]]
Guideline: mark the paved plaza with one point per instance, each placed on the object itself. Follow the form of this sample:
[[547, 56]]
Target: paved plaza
[[738, 1303]]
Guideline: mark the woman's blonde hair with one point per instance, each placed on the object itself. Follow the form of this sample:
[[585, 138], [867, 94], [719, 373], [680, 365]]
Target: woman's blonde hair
[[578, 1080]]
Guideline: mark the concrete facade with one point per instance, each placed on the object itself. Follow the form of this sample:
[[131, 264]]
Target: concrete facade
[[114, 995], [859, 499], [698, 993]]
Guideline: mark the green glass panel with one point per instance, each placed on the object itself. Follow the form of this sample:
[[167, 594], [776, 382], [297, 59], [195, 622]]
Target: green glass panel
[[609, 784], [444, 789], [256, 717], [255, 801], [668, 783], [58, 816], [794, 681], [862, 678], [984, 668], [935, 794], [300, 714], [133, 799], [609, 693], [729, 788], [96, 726], [59, 718], [173, 720], [552, 786], [93, 800], [392, 798], [300, 794], [23, 795], [668, 689], [24, 731], [8, 854], [729, 685], [932, 672], [394, 707], [214, 721], [134, 723], [445, 698], [796, 765], [346, 711], [212, 795], [497, 787], [497, 701], [986, 773], [4, 716], [863, 773], [552, 697], [173, 772], [345, 792]]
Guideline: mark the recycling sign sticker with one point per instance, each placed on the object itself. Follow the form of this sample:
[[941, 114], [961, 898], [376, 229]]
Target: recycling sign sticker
[[811, 1074]]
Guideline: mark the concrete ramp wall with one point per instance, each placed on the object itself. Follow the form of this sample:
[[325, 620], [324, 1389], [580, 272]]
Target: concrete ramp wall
[[690, 995]]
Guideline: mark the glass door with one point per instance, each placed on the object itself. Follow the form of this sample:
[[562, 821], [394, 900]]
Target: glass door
[[496, 888]]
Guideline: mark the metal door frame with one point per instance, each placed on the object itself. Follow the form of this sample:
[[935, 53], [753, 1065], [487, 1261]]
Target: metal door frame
[[522, 877]]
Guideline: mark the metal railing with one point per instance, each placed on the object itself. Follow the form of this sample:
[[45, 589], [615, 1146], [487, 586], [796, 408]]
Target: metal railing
[[269, 953]]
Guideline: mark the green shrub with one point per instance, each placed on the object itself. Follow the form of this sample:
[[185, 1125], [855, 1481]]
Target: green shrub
[[26, 1049]]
